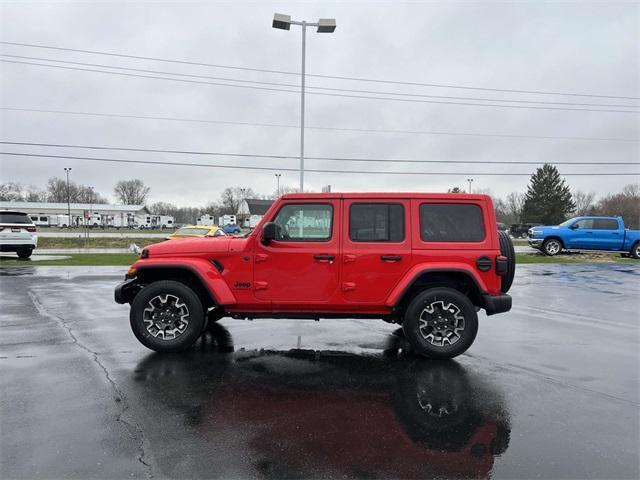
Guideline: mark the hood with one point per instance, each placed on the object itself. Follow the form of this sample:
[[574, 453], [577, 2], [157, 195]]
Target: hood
[[201, 245]]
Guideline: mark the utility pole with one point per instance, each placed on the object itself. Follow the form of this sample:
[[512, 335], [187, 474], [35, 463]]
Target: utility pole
[[325, 25], [278, 175], [470, 180], [67, 170]]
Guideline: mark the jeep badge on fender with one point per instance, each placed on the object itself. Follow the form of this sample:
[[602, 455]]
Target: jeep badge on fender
[[425, 261]]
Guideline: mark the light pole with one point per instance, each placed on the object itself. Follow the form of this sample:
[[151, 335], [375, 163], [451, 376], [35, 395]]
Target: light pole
[[470, 180], [67, 170], [90, 204], [325, 25], [278, 175]]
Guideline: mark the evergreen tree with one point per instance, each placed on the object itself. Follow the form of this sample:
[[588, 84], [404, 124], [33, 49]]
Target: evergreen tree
[[548, 199]]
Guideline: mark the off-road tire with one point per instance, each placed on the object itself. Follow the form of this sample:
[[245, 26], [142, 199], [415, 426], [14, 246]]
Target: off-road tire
[[507, 250], [24, 252], [635, 250], [548, 247], [417, 322], [186, 296]]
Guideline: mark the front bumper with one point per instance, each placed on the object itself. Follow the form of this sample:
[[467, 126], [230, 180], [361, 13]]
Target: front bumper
[[535, 242], [496, 303], [125, 291]]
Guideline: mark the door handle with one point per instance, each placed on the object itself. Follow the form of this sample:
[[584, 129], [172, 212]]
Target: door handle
[[324, 257], [390, 258]]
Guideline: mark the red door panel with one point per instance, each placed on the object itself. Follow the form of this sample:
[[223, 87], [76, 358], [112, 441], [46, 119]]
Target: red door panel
[[293, 272], [374, 260]]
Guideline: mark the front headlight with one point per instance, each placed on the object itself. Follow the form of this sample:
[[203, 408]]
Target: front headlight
[[535, 232]]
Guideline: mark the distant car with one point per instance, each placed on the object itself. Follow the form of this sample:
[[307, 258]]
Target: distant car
[[520, 230], [197, 231], [17, 233], [231, 229]]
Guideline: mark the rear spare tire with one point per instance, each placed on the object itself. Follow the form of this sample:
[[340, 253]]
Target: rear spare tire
[[167, 316], [507, 250], [440, 323]]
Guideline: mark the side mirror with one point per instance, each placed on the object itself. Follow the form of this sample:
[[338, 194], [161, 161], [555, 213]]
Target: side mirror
[[269, 231], [575, 226]]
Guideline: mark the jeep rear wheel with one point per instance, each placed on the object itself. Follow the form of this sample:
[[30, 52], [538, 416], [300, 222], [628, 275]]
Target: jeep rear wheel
[[167, 316], [551, 247], [440, 323]]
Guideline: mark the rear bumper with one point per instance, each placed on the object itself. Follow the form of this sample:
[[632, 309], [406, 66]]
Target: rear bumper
[[15, 246], [496, 303], [125, 291]]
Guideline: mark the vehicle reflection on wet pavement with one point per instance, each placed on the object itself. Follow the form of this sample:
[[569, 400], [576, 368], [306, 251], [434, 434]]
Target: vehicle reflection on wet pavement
[[548, 390], [302, 413]]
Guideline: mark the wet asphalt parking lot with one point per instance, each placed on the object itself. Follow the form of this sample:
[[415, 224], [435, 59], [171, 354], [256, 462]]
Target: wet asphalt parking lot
[[548, 390]]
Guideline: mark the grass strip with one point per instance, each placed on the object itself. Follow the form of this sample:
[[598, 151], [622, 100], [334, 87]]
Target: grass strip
[[124, 259]]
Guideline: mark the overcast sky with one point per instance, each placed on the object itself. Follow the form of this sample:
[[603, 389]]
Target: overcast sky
[[572, 47]]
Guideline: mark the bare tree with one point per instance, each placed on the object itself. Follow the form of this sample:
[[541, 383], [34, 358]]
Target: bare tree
[[232, 197], [12, 192], [514, 203], [625, 204], [584, 202], [131, 192]]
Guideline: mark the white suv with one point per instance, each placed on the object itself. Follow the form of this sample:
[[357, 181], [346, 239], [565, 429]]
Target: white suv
[[17, 233]]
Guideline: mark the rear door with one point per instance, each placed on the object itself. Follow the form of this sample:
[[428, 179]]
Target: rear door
[[376, 248], [607, 234]]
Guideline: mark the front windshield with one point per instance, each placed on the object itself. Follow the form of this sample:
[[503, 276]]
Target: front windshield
[[192, 231]]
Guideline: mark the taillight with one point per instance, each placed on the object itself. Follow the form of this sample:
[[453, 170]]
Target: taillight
[[31, 229], [502, 265]]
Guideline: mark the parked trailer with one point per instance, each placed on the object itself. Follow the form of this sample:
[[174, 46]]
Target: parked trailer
[[206, 219], [227, 220]]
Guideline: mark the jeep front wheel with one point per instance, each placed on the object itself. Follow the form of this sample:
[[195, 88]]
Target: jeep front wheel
[[167, 316], [440, 323], [551, 247]]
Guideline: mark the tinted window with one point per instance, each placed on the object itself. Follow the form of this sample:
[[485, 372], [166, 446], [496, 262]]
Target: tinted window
[[304, 222], [376, 222], [586, 223], [14, 218], [451, 222], [606, 224]]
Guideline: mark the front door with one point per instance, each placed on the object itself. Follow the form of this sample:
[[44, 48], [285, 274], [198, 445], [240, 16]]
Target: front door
[[376, 248], [581, 234], [302, 265]]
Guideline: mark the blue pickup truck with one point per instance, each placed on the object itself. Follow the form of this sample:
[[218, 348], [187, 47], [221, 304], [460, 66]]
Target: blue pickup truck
[[586, 233]]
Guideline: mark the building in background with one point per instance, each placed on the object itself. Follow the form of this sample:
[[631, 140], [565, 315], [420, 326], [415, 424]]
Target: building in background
[[97, 214], [251, 211]]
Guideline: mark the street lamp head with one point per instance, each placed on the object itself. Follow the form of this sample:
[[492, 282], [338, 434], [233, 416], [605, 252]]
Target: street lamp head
[[283, 22], [326, 25]]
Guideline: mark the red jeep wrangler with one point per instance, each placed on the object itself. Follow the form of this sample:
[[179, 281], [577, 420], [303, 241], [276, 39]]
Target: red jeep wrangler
[[426, 261]]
